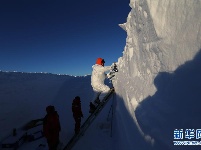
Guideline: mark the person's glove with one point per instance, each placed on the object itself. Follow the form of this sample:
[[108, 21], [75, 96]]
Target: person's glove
[[114, 67]]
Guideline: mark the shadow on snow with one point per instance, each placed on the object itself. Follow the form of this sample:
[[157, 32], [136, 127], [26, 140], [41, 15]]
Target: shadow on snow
[[175, 105]]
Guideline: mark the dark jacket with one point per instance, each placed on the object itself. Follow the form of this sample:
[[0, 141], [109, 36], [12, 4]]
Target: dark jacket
[[51, 124]]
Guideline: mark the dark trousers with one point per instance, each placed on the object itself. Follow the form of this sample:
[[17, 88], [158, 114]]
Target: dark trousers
[[77, 124], [53, 143]]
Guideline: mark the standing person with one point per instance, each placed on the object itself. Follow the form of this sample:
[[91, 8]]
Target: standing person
[[77, 113], [51, 127], [97, 82]]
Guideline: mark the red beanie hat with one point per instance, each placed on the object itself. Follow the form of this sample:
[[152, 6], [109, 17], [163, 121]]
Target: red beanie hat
[[100, 61]]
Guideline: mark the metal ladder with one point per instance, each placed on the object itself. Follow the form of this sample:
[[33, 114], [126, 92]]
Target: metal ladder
[[88, 121]]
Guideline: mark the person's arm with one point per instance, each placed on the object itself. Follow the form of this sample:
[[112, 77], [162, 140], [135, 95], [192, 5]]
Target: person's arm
[[105, 68]]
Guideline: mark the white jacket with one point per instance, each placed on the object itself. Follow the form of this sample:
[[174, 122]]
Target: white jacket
[[98, 76]]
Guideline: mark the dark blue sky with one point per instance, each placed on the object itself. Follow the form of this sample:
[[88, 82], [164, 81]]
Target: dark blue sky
[[60, 36]]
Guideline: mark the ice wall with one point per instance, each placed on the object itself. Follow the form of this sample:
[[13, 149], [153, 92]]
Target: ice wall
[[161, 36]]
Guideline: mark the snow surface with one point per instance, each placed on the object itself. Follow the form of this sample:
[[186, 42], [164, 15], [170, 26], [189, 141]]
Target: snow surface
[[157, 86]]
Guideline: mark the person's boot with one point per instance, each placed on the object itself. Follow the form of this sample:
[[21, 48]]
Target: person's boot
[[92, 107], [97, 101]]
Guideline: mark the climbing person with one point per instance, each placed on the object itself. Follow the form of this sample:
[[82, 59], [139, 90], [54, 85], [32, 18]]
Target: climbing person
[[77, 113], [97, 82], [51, 127]]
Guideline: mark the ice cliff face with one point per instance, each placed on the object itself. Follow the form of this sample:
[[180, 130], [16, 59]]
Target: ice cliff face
[[161, 36]]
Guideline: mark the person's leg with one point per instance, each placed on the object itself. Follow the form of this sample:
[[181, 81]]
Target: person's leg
[[93, 103], [105, 89], [52, 143], [77, 125], [96, 96]]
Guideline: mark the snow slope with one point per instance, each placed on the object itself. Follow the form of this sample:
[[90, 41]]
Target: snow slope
[[24, 96], [157, 86]]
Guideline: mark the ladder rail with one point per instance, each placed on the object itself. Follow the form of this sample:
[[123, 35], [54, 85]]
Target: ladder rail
[[88, 121], [97, 112]]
